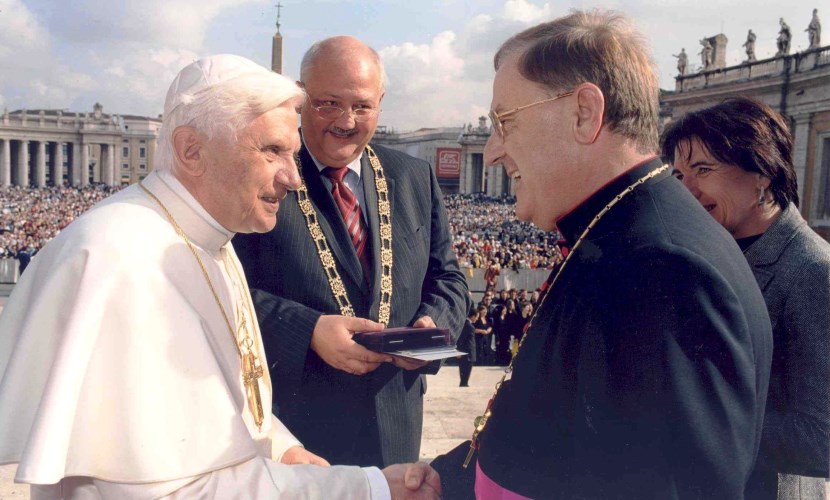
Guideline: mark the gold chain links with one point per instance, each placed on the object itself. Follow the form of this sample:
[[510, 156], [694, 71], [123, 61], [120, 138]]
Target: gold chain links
[[338, 289], [249, 362], [481, 421]]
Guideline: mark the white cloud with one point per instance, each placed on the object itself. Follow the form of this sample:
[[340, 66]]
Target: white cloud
[[19, 28], [526, 12], [120, 53], [24, 44], [174, 23], [426, 84], [147, 70], [448, 81]]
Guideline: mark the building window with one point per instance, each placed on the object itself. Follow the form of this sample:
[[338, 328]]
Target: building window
[[142, 152], [142, 167], [125, 152], [125, 166], [142, 141]]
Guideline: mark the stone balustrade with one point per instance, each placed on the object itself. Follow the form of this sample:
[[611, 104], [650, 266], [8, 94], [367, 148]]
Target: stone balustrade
[[775, 66]]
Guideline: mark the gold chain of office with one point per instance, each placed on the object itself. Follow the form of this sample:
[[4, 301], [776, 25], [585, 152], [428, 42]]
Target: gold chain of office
[[481, 421], [251, 367], [338, 290]]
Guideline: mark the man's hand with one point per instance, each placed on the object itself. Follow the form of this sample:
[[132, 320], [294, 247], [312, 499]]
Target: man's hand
[[299, 455], [414, 364], [424, 322], [332, 341], [413, 481]]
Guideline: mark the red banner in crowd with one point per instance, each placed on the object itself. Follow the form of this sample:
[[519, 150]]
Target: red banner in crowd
[[448, 163]]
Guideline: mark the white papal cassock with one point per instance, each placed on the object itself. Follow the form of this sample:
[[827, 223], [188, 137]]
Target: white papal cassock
[[120, 378]]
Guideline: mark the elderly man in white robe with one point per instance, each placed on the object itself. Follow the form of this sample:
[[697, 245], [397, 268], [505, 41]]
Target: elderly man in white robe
[[131, 361]]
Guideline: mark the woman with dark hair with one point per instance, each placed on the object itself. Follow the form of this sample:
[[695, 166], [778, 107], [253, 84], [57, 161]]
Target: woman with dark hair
[[736, 159], [501, 331], [483, 332]]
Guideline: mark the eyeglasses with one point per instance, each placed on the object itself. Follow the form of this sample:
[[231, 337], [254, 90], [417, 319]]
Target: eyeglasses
[[335, 112], [498, 119]]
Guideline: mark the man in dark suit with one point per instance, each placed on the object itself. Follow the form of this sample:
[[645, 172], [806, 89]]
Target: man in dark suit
[[644, 372], [365, 236]]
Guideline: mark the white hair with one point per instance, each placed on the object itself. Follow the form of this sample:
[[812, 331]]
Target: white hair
[[224, 109]]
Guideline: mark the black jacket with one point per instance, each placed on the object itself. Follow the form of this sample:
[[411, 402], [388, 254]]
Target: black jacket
[[645, 372]]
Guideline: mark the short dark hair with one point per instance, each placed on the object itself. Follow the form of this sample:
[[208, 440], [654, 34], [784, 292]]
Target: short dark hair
[[599, 47], [743, 132]]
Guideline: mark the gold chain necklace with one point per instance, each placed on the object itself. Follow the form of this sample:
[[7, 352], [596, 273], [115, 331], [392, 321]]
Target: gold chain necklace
[[338, 290], [251, 368], [481, 421]]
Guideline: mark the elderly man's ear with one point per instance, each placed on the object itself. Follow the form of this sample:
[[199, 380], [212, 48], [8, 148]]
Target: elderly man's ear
[[590, 111], [188, 147]]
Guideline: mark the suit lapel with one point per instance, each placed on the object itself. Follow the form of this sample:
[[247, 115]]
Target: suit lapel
[[764, 253], [370, 193], [330, 220]]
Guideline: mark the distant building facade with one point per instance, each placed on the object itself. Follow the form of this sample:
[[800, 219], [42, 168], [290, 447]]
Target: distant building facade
[[798, 86], [456, 155], [438, 146], [138, 147], [52, 147], [476, 177]]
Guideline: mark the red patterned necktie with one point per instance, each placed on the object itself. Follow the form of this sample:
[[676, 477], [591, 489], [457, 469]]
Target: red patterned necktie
[[352, 216]]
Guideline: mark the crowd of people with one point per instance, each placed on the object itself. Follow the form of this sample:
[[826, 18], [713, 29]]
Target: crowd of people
[[485, 230], [31, 217], [500, 321]]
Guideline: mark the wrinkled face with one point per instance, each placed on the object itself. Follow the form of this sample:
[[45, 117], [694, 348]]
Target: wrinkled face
[[350, 84], [532, 150], [728, 192], [245, 181]]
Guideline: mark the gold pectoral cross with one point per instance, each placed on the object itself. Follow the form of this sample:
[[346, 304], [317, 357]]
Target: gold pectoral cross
[[251, 373]]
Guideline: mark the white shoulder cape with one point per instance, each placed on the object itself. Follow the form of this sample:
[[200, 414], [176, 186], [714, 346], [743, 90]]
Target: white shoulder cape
[[115, 360]]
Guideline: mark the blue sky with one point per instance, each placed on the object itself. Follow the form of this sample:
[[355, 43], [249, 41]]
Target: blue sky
[[438, 53]]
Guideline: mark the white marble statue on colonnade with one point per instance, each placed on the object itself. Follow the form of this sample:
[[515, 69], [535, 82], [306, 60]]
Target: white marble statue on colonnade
[[814, 31]]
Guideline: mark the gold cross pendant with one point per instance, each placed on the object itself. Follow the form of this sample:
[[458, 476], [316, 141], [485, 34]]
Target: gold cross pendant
[[251, 370], [251, 373]]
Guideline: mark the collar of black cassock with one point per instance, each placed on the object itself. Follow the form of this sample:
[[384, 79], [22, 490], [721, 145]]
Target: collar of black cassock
[[574, 222]]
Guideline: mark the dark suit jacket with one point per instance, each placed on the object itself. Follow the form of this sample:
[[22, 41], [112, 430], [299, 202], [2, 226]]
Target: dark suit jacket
[[466, 341], [645, 372], [363, 420], [792, 266]]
